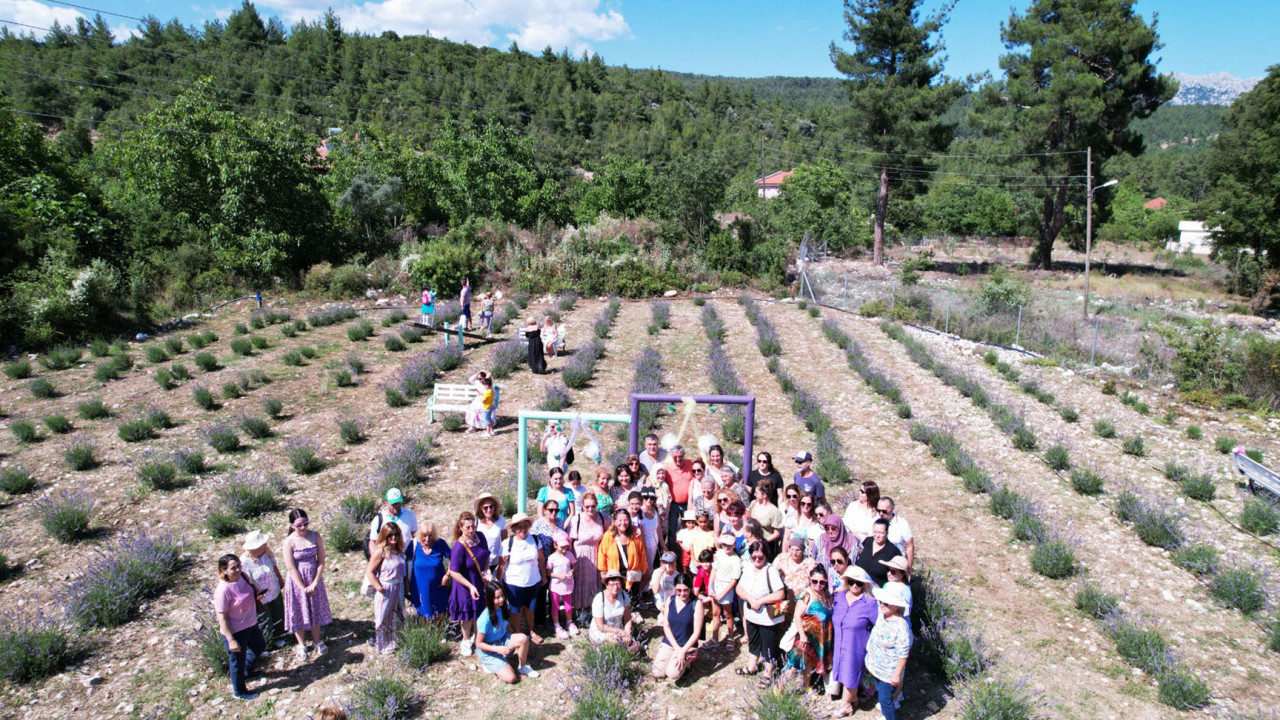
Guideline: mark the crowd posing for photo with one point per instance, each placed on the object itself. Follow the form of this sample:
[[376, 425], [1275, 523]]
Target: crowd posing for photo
[[688, 552]]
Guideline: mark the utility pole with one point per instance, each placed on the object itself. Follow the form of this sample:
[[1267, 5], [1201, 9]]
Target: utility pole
[[762, 176], [1088, 223]]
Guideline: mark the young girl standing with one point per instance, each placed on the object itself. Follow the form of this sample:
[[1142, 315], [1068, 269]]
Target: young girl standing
[[560, 567], [726, 569], [306, 604], [428, 308]]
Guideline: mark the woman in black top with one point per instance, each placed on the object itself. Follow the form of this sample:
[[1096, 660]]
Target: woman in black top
[[537, 361], [761, 469], [875, 550], [681, 626]]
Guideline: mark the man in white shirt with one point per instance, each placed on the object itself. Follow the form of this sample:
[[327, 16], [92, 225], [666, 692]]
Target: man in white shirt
[[653, 456], [394, 511], [899, 531]]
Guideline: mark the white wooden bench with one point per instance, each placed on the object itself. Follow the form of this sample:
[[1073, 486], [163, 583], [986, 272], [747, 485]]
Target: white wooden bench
[[455, 397]]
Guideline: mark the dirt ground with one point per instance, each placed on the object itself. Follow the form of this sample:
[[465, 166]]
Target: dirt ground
[[147, 668]]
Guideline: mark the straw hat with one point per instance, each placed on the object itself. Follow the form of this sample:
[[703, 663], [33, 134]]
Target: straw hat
[[256, 539], [893, 594], [612, 575], [517, 519], [857, 575], [898, 563], [689, 516]]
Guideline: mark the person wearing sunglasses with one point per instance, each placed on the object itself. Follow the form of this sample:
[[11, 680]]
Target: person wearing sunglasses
[[790, 505], [810, 650], [854, 614], [763, 469], [899, 531], [834, 537], [491, 525], [805, 478], [806, 526], [763, 593], [682, 620], [707, 492], [306, 604]]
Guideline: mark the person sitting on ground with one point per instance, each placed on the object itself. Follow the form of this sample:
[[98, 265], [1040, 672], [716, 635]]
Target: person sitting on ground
[[496, 644], [611, 613], [682, 619], [808, 480]]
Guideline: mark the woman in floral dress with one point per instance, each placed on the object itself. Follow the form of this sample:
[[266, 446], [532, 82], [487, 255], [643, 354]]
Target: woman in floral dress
[[585, 529], [306, 604], [811, 653]]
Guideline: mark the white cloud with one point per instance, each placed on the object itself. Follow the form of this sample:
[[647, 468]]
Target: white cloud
[[534, 24], [30, 12]]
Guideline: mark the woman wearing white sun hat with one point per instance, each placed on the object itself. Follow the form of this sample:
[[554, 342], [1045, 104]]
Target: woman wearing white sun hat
[[259, 564], [888, 647]]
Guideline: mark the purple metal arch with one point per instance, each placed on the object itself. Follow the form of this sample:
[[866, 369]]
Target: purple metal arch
[[748, 400]]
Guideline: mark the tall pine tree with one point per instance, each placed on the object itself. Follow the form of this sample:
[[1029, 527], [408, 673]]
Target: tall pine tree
[[897, 92]]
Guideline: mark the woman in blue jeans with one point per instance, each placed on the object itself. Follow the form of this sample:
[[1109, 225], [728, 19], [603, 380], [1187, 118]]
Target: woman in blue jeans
[[888, 647], [235, 602]]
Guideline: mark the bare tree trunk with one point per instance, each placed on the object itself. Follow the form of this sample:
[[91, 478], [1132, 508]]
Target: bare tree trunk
[[1052, 218], [882, 209]]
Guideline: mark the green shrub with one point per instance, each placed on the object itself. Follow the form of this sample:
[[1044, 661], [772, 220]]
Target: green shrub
[[1260, 517], [241, 329], [190, 461], [1198, 558], [58, 424], [996, 698], [180, 372], [156, 354], [1198, 486], [222, 438], [292, 358], [452, 421], [24, 431], [231, 390], [1053, 558], [351, 430], [92, 409], [196, 341], [99, 348], [1109, 387], [61, 358], [423, 642], [257, 322], [173, 344], [36, 647], [411, 335], [273, 407], [1179, 688], [384, 697], [206, 361], [1273, 642], [1142, 408], [344, 534], [164, 379], [359, 331], [255, 427], [1134, 446], [106, 371], [203, 398], [1254, 455], [393, 343], [1058, 458], [136, 431], [222, 522], [18, 369], [1104, 429], [17, 480], [342, 378], [65, 516], [259, 342], [1093, 602], [1069, 414], [241, 346], [80, 454], [303, 457], [1225, 444], [158, 474], [1141, 647], [1006, 502], [1194, 432]]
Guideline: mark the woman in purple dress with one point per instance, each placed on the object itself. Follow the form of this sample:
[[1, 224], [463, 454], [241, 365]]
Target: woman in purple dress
[[854, 615], [469, 568], [306, 604]]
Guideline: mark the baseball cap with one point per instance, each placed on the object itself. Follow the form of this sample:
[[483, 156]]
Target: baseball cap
[[394, 496], [804, 456]]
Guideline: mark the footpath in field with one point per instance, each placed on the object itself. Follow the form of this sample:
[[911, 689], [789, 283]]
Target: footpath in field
[[1217, 643], [1025, 617]]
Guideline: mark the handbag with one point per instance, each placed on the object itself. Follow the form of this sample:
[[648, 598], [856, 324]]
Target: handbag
[[789, 638], [776, 609]]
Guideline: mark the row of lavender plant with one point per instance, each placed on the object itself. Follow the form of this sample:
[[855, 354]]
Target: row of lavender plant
[[881, 383], [419, 371], [1009, 421], [649, 377], [828, 453], [724, 378], [581, 367]]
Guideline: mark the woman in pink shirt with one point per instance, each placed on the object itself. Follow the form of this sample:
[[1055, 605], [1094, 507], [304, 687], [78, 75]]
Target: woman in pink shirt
[[236, 606]]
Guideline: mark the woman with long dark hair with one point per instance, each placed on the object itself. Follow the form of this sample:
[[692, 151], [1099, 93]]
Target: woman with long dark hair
[[495, 643], [306, 603]]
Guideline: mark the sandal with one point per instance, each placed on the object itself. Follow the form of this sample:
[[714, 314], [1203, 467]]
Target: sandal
[[745, 672]]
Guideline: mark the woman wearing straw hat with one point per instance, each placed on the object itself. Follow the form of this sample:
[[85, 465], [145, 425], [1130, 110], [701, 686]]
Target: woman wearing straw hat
[[888, 647], [259, 565], [522, 569], [854, 614], [611, 613]]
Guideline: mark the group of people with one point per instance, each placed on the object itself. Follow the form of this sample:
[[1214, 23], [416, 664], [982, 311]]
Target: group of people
[[692, 550], [545, 340], [465, 321]]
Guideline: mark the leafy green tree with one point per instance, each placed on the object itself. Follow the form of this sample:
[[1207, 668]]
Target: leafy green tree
[[1245, 166], [486, 170], [693, 189], [622, 188], [954, 206], [249, 184], [246, 24], [897, 93], [817, 199], [1077, 75], [374, 203]]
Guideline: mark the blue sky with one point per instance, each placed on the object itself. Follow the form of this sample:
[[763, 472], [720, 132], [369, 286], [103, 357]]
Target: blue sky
[[722, 37]]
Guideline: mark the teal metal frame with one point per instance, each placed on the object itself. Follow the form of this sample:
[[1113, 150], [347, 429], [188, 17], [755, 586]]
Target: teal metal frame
[[522, 465]]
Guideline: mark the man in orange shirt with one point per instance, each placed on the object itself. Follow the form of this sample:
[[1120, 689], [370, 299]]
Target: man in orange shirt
[[679, 478]]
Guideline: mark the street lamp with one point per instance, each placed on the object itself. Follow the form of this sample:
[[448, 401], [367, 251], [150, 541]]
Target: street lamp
[[1088, 238]]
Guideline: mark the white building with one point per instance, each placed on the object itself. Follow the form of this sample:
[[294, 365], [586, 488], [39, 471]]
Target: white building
[[1192, 237], [770, 186]]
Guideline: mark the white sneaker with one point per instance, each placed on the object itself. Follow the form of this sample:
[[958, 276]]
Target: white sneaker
[[464, 648], [526, 670], [301, 653], [322, 649]]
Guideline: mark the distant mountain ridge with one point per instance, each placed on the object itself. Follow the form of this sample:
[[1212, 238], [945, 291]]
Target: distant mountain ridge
[[1215, 89]]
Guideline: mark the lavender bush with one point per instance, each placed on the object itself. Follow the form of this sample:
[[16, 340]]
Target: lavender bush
[[566, 301], [767, 336], [303, 457], [382, 697], [331, 316], [555, 397], [81, 453], [120, 575], [648, 377], [65, 515], [1155, 523], [249, 494], [603, 322], [508, 356], [724, 378], [400, 465], [35, 646], [581, 367], [17, 480], [660, 315], [222, 437]]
